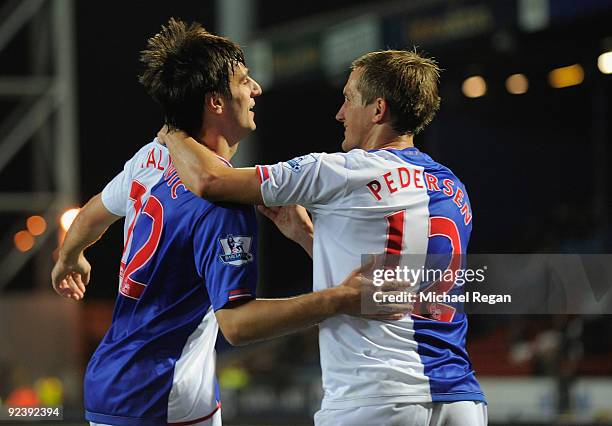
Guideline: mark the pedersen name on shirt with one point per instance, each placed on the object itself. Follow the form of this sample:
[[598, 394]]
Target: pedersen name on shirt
[[403, 177]]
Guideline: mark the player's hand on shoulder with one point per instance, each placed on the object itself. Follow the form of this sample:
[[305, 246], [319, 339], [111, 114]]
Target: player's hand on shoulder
[[162, 134], [71, 276], [293, 221], [165, 135], [358, 299]]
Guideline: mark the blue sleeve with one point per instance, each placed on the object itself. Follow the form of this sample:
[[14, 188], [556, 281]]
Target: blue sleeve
[[225, 249]]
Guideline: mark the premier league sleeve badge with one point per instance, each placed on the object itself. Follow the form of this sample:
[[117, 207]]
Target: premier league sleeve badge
[[236, 249]]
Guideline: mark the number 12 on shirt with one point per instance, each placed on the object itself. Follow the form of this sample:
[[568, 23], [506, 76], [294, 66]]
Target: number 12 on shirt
[[155, 211], [439, 226]]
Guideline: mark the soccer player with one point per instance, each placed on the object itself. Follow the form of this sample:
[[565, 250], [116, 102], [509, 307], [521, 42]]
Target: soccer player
[[381, 195], [188, 265]]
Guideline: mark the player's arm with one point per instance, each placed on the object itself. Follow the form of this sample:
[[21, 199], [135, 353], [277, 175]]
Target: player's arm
[[203, 174], [229, 272], [260, 319], [71, 272]]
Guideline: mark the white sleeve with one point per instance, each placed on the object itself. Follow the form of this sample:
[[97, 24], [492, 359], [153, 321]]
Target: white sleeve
[[309, 180], [116, 193]]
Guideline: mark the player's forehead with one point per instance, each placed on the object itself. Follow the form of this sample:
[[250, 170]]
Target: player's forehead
[[350, 88], [240, 71]]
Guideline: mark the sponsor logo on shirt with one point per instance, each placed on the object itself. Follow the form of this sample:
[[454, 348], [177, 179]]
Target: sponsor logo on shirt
[[297, 163], [236, 250]]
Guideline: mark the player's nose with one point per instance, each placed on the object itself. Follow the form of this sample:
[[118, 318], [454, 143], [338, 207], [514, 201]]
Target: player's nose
[[256, 89], [340, 114]]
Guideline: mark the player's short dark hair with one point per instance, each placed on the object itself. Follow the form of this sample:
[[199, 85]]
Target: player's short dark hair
[[184, 62], [408, 82]]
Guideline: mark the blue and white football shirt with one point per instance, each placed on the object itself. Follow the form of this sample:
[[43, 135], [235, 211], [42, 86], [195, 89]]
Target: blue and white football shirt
[[184, 258], [384, 201]]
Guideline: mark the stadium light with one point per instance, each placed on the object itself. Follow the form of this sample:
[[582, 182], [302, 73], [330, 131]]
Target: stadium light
[[474, 87], [36, 225], [604, 62], [24, 241], [571, 75], [68, 217], [517, 84]]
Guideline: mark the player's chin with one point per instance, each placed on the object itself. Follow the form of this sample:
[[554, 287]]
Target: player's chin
[[248, 128]]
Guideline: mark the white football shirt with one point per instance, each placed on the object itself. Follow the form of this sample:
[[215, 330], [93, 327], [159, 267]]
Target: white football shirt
[[387, 201]]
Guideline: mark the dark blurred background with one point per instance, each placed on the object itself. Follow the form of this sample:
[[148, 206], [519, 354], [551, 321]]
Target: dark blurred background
[[535, 164]]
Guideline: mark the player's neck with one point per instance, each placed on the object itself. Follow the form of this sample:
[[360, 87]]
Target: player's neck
[[217, 143], [387, 138], [400, 142]]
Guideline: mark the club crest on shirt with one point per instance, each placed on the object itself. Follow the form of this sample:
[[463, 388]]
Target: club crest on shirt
[[236, 249], [297, 163]]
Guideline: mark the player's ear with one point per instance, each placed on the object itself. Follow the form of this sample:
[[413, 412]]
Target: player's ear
[[381, 108], [214, 102]]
